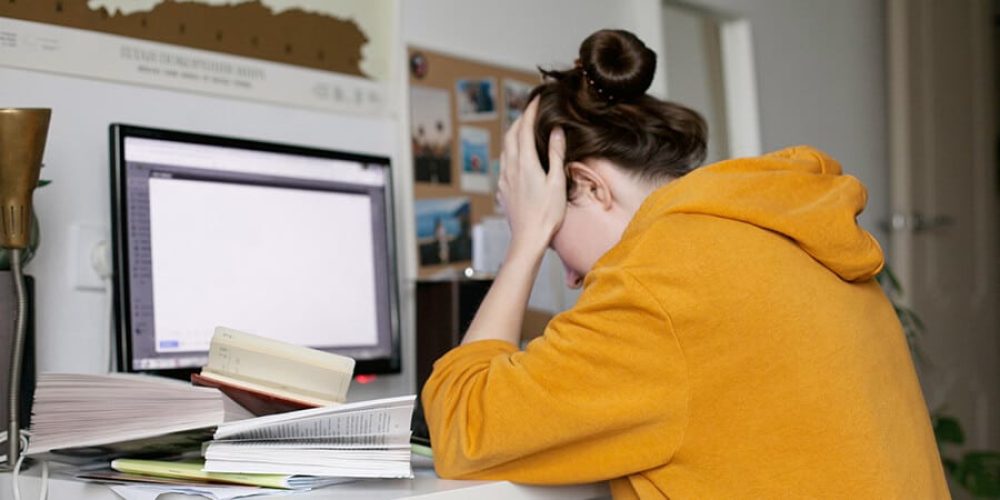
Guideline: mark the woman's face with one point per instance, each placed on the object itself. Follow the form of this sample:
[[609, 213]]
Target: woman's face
[[587, 232], [603, 202]]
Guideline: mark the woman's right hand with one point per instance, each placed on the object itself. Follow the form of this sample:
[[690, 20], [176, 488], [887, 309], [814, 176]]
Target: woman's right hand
[[535, 202]]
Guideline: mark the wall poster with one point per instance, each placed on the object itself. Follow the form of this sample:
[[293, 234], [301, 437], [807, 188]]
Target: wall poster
[[323, 55]]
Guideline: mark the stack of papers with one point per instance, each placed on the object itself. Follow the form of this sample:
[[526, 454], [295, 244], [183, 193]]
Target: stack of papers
[[74, 412]]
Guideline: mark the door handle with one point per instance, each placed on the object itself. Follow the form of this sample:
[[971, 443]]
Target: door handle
[[917, 222]]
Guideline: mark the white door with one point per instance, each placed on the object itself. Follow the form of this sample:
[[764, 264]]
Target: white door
[[945, 195]]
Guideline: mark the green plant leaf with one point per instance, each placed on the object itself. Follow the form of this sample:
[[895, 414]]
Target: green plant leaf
[[948, 430], [43, 182], [950, 466], [887, 277], [979, 473], [916, 321]]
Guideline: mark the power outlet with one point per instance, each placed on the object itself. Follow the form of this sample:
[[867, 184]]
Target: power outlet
[[89, 244]]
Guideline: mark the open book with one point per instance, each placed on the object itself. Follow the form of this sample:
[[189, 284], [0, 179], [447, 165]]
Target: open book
[[367, 439], [267, 376], [78, 417]]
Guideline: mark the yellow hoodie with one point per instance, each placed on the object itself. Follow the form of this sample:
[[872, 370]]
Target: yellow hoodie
[[732, 345]]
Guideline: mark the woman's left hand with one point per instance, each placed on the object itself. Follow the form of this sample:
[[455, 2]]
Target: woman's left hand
[[535, 202]]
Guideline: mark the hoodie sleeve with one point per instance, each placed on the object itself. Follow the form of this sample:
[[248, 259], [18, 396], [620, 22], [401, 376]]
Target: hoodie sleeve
[[602, 394]]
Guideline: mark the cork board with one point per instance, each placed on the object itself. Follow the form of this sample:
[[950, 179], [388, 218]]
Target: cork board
[[457, 94], [249, 29], [459, 111]]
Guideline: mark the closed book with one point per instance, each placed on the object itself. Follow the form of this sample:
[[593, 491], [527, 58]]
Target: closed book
[[268, 376], [256, 401]]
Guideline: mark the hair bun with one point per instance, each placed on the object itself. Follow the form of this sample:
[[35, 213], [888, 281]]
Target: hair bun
[[617, 65]]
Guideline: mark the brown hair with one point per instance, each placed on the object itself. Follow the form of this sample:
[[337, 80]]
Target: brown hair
[[602, 106]]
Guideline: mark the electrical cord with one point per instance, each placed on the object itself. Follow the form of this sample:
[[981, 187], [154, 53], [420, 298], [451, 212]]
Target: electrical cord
[[17, 353], [101, 264], [43, 491], [3, 439]]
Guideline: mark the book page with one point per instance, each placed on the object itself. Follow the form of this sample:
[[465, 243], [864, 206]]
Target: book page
[[361, 441], [303, 423], [345, 468], [392, 420]]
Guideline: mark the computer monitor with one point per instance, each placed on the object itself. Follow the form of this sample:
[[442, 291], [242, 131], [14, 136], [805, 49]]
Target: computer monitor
[[283, 241]]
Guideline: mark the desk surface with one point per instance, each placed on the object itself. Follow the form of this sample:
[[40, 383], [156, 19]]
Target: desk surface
[[426, 485]]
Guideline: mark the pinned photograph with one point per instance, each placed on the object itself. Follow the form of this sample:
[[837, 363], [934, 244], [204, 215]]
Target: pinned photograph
[[515, 99], [444, 230], [430, 134], [474, 152], [476, 98]]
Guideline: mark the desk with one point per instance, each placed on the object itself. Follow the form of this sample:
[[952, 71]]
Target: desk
[[426, 485]]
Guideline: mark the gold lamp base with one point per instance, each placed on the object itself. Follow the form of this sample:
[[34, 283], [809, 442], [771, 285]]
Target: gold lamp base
[[22, 141]]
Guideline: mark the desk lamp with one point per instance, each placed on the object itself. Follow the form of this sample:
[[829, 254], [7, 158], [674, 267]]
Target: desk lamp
[[22, 140]]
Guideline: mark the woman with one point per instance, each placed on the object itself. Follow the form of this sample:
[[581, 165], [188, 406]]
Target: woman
[[729, 342]]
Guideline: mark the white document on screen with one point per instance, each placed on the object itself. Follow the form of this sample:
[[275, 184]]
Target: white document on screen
[[251, 257]]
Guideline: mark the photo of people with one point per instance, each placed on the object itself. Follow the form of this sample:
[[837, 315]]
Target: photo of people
[[476, 98], [431, 132], [474, 150], [515, 99], [444, 230]]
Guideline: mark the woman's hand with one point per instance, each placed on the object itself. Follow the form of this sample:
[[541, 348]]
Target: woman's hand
[[535, 202]]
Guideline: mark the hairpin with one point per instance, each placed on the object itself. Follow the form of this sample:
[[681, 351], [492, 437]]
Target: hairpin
[[600, 91]]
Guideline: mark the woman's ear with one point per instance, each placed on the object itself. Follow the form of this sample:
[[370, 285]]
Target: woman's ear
[[589, 185]]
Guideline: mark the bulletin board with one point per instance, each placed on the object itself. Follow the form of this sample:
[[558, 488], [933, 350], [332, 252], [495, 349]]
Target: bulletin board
[[459, 111]]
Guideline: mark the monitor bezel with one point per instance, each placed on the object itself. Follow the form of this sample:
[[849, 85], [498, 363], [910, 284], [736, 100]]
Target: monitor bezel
[[122, 299]]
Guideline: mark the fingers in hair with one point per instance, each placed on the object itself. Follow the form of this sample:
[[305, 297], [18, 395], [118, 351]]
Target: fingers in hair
[[526, 132]]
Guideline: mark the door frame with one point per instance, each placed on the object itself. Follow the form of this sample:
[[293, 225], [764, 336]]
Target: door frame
[[912, 131]]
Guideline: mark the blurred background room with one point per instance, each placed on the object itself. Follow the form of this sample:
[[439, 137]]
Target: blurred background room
[[903, 93]]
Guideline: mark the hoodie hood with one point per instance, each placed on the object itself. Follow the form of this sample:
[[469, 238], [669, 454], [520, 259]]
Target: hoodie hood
[[797, 192]]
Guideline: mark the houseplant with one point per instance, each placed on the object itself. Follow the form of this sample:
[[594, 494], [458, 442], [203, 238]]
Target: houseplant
[[978, 472]]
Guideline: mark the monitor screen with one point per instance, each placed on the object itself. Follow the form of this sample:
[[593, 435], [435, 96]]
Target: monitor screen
[[286, 242]]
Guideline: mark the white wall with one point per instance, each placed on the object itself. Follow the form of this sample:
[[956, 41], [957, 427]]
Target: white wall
[[821, 81], [72, 330], [695, 77], [517, 33], [820, 64]]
